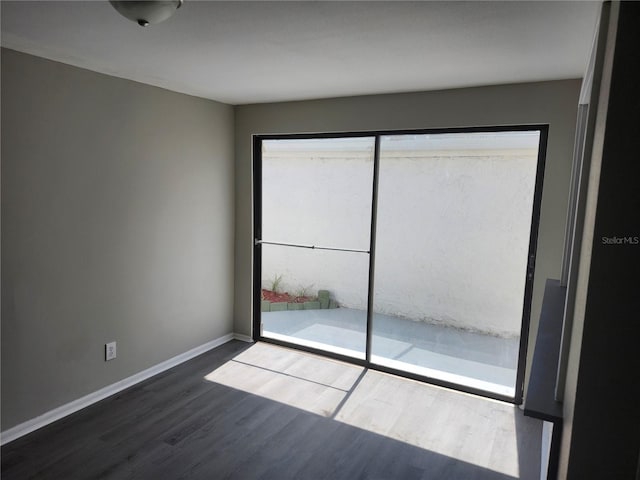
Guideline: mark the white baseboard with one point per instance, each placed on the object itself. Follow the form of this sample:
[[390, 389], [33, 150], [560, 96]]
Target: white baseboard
[[83, 402], [243, 338]]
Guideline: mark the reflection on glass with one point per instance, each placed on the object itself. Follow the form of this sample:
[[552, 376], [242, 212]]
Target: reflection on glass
[[454, 217]]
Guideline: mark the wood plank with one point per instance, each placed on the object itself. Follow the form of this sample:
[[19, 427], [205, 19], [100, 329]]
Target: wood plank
[[234, 413]]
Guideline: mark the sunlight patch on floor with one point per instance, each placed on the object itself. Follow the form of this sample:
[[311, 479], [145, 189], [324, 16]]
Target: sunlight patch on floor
[[467, 427], [302, 381]]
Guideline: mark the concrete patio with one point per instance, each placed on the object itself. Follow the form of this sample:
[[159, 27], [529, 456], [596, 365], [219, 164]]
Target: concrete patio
[[467, 358]]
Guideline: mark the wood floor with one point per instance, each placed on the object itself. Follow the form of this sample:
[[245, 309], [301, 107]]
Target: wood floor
[[244, 411]]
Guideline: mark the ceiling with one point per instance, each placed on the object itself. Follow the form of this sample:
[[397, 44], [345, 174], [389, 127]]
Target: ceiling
[[242, 52]]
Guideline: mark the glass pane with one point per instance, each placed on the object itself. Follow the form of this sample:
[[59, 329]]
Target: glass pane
[[316, 298], [318, 191], [454, 218]]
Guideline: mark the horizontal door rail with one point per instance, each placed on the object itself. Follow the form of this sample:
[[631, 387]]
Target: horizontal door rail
[[312, 247]]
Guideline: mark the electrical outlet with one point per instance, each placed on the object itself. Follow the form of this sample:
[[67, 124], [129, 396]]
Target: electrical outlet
[[110, 351]]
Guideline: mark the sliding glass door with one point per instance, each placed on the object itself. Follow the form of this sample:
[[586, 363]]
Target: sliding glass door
[[315, 241], [409, 252], [451, 259]]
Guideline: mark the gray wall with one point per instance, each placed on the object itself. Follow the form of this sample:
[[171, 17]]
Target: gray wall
[[117, 224], [554, 103]]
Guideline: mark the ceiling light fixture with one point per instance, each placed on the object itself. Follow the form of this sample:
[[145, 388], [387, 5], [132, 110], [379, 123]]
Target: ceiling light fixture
[[148, 11]]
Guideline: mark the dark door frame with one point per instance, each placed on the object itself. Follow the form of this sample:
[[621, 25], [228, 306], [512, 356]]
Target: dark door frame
[[366, 362]]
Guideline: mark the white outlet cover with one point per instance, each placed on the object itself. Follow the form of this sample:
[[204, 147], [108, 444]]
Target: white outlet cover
[[110, 351]]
